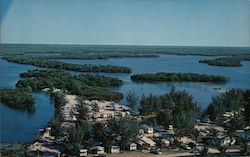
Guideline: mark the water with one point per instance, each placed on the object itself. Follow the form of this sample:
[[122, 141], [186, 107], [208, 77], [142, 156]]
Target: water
[[23, 127], [17, 125], [202, 92]]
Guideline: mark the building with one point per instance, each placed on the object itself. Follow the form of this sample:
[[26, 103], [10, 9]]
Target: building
[[165, 142], [142, 145], [147, 129], [132, 146], [222, 140], [83, 152], [114, 149], [243, 134], [148, 141], [98, 150]]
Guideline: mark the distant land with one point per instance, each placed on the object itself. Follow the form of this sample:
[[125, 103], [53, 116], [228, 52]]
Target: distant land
[[64, 48]]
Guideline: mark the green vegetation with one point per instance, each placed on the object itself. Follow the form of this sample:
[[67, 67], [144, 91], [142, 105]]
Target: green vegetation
[[132, 99], [45, 63], [178, 77], [97, 80], [17, 98], [11, 150], [233, 61], [247, 107], [77, 137], [55, 122], [176, 108], [119, 49], [100, 133], [232, 100], [87, 86], [123, 130], [102, 55], [92, 80]]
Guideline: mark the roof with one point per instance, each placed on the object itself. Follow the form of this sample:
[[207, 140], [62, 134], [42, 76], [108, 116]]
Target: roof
[[148, 141], [146, 127]]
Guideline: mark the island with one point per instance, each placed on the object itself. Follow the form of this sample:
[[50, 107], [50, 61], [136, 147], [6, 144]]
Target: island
[[46, 63], [90, 118], [233, 61], [86, 85], [17, 98], [178, 77], [103, 55]]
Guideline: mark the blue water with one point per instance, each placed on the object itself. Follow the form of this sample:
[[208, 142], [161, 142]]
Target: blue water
[[202, 92], [17, 125], [23, 127]]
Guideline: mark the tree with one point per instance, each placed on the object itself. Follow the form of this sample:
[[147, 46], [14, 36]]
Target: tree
[[174, 107], [77, 137], [184, 123], [204, 151], [247, 107], [211, 112], [196, 135], [125, 130], [148, 105], [164, 117], [83, 112], [101, 134], [55, 124], [214, 135], [223, 150], [132, 99], [232, 100]]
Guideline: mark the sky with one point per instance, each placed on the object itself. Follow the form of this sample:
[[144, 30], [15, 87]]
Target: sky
[[126, 22]]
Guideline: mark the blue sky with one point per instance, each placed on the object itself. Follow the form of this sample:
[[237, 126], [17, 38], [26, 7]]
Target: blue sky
[[127, 22]]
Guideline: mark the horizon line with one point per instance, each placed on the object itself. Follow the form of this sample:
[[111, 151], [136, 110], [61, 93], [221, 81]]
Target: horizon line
[[135, 45]]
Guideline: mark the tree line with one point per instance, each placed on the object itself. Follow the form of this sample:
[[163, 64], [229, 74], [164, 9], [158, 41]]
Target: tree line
[[102, 55], [178, 77], [179, 50], [121, 132], [233, 61], [175, 107], [234, 100], [90, 87], [17, 98], [46, 63]]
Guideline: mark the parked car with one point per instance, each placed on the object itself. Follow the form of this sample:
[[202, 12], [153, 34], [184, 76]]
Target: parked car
[[185, 147], [156, 151]]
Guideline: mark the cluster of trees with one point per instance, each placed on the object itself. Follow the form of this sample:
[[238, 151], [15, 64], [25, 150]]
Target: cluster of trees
[[176, 108], [13, 149], [46, 63], [55, 122], [42, 73], [17, 98], [227, 61], [178, 77], [232, 100], [90, 87], [78, 137], [102, 55], [98, 80], [132, 99], [180, 50], [121, 131]]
